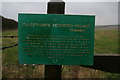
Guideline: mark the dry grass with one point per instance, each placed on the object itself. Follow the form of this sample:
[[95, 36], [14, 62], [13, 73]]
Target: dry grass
[[81, 72], [22, 71]]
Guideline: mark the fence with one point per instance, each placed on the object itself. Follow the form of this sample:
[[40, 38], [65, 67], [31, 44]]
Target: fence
[[105, 62]]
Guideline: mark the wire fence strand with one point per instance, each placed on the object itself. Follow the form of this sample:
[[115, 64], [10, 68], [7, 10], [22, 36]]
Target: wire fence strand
[[8, 47], [8, 36], [11, 45]]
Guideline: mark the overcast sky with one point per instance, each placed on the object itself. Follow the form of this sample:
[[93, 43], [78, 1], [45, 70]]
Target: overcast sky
[[106, 12]]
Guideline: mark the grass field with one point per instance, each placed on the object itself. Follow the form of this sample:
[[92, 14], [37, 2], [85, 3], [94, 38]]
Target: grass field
[[106, 42]]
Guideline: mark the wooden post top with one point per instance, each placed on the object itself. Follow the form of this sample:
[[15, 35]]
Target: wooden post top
[[56, 0]]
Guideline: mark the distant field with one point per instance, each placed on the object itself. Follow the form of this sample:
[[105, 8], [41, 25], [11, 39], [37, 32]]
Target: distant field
[[106, 42]]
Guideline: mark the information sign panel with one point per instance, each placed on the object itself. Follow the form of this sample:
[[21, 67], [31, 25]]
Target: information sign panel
[[56, 39]]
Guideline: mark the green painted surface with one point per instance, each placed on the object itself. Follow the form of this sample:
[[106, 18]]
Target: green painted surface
[[56, 39]]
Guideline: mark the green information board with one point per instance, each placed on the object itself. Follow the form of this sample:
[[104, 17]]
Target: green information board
[[56, 39]]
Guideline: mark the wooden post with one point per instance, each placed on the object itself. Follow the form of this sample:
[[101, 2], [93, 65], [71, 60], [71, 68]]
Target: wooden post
[[54, 71], [56, 7]]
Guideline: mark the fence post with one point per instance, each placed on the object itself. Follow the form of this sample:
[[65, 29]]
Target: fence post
[[54, 71]]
